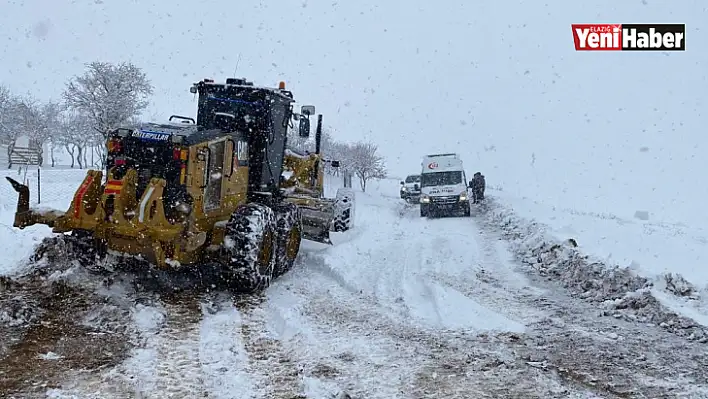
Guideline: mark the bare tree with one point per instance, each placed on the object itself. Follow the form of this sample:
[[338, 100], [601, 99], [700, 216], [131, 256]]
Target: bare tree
[[75, 134], [365, 162], [7, 130], [5, 104], [109, 95], [98, 150], [26, 119], [50, 114], [332, 150], [25, 116]]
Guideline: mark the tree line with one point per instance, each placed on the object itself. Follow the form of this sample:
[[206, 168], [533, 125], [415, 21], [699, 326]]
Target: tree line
[[107, 96], [104, 97], [360, 158]]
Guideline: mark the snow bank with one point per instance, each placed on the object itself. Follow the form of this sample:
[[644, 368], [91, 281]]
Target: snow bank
[[621, 291], [651, 247]]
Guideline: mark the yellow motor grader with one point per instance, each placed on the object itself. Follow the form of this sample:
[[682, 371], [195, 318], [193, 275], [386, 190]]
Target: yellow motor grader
[[305, 188], [196, 192]]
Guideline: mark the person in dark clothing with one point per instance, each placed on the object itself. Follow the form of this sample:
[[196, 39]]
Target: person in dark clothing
[[477, 185]]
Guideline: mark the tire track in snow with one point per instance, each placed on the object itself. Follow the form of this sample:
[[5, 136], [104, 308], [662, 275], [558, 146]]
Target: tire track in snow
[[178, 354], [167, 364], [436, 363], [280, 374], [188, 346], [412, 361], [224, 359], [336, 347], [496, 282]]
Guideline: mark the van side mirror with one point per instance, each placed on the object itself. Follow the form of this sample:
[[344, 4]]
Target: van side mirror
[[416, 187], [335, 164], [469, 184], [402, 182]]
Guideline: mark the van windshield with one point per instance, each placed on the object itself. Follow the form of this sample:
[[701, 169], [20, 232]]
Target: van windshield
[[441, 178], [413, 179]]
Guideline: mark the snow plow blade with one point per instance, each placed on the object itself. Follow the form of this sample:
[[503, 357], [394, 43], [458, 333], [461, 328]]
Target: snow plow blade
[[24, 216], [317, 217], [316, 225]]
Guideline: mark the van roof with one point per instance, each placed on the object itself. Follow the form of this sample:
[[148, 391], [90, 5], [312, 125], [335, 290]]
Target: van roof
[[441, 164], [446, 155]]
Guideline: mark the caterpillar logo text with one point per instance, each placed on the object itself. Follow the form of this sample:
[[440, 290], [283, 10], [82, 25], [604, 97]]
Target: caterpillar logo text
[[148, 135]]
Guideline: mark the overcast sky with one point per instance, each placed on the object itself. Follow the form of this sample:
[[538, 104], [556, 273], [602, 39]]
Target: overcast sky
[[499, 82]]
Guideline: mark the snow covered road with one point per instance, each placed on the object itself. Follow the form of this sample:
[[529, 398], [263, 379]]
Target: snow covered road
[[400, 307]]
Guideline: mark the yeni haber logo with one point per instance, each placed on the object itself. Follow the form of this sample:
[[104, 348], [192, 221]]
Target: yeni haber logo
[[629, 37]]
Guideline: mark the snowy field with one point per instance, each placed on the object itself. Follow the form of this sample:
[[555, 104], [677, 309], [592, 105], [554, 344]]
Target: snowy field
[[399, 307], [57, 187]]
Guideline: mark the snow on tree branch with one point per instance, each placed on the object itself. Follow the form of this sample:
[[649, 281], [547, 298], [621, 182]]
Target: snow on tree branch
[[366, 163], [6, 106], [109, 95], [75, 134], [26, 119]]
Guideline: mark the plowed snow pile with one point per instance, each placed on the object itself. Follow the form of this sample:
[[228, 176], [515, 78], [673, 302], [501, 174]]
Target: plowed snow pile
[[620, 290]]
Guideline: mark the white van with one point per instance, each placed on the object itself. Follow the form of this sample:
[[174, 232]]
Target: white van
[[443, 186], [410, 189]]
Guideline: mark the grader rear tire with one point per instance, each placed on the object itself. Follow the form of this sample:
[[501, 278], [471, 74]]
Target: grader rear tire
[[249, 249], [289, 228]]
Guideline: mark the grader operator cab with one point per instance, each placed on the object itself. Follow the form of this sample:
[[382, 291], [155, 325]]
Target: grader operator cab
[[195, 193]]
